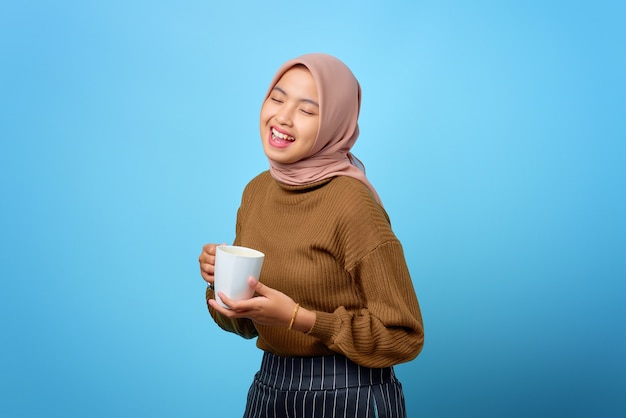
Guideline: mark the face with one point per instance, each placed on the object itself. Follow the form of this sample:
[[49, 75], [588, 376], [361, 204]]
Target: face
[[290, 117]]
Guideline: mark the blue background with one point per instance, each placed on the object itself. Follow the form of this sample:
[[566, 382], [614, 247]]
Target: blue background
[[493, 131]]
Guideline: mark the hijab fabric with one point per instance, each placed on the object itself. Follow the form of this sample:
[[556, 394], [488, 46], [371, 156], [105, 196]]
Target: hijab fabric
[[340, 102]]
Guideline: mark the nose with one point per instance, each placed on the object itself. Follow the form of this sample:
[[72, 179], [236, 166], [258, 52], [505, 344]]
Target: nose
[[285, 115]]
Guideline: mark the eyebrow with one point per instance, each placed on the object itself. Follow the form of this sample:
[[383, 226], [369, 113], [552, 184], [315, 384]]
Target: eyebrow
[[311, 101]]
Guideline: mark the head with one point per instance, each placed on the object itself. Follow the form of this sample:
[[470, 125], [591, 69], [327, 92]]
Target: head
[[310, 111], [309, 121], [290, 116]]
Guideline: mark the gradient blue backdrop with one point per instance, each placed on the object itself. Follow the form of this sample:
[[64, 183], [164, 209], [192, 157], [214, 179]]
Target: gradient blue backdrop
[[493, 130]]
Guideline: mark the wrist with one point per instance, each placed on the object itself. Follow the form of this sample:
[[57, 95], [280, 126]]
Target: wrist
[[304, 320], [293, 316]]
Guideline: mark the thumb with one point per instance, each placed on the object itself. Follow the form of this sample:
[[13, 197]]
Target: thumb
[[258, 287]]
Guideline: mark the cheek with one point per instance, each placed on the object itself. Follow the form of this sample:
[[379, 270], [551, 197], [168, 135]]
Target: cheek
[[266, 112], [263, 123], [312, 130]]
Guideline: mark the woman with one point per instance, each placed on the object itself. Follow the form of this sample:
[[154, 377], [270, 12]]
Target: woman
[[335, 308]]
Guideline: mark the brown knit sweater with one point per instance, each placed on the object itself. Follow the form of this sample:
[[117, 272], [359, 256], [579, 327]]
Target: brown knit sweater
[[330, 247]]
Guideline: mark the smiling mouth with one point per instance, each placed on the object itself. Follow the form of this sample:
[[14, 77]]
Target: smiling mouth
[[280, 136]]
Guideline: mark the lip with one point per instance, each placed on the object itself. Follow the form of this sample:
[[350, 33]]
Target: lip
[[282, 131], [280, 143]]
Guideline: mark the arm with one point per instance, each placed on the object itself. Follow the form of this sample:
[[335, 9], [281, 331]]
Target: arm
[[388, 328]]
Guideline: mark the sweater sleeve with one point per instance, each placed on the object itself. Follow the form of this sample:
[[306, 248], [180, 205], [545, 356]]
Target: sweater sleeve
[[388, 328], [242, 327]]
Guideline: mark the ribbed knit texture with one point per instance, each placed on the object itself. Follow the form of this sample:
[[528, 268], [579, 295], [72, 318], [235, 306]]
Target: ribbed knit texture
[[330, 247]]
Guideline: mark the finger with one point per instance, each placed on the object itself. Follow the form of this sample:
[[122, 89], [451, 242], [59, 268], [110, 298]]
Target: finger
[[226, 300], [259, 287], [240, 306], [207, 271], [207, 278], [206, 258], [236, 306], [204, 252], [214, 249], [209, 249], [233, 311], [207, 268], [229, 313]]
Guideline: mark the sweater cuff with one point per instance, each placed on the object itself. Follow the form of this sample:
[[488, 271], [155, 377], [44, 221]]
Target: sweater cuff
[[326, 326], [209, 294]]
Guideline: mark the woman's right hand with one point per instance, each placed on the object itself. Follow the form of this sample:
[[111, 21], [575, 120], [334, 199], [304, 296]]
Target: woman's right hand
[[207, 263]]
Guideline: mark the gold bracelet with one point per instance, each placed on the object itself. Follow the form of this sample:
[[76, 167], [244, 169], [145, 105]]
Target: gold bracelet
[[293, 317]]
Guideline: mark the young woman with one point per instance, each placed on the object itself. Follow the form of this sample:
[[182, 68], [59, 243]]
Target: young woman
[[334, 309]]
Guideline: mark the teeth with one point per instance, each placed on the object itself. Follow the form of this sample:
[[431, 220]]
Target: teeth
[[280, 135]]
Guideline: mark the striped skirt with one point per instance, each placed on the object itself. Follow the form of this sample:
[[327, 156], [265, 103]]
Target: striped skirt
[[323, 387]]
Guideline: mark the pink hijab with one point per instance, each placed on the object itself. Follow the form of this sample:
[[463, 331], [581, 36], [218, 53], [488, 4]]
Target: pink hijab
[[340, 102]]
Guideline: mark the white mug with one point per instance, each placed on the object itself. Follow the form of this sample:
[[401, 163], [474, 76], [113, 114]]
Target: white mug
[[233, 267]]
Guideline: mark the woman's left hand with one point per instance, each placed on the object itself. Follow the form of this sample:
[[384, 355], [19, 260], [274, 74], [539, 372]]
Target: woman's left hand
[[269, 307]]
